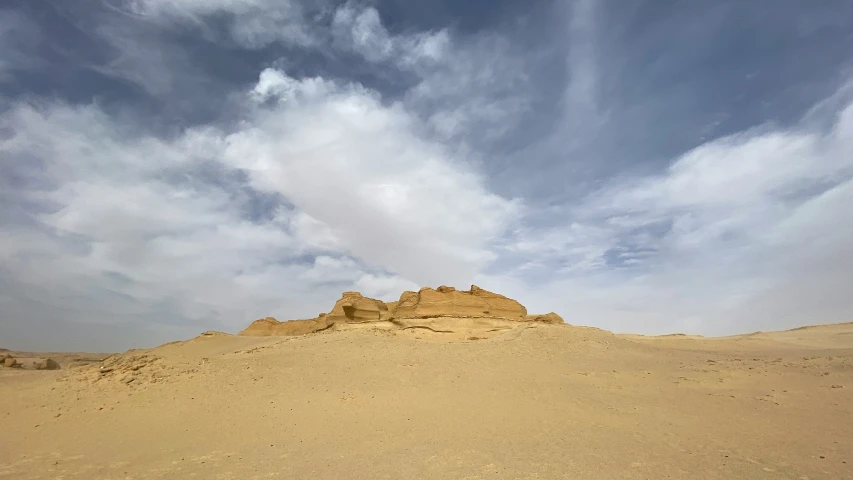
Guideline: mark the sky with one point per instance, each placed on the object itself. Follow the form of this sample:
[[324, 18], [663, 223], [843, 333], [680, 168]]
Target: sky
[[174, 166]]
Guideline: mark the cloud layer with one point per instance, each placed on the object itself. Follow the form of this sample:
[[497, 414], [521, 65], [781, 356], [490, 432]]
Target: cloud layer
[[235, 160]]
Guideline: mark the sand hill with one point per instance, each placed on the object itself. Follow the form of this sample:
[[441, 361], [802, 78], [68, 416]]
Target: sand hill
[[443, 309], [453, 397]]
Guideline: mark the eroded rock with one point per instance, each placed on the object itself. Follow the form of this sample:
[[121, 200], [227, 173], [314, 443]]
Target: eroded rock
[[213, 333], [46, 364], [442, 302], [551, 318], [269, 326], [353, 307], [449, 302]]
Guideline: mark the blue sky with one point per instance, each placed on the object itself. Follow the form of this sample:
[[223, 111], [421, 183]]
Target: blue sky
[[174, 166]]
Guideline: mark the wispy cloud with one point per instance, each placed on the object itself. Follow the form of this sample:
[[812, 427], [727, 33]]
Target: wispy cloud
[[360, 167], [19, 39], [726, 227], [133, 214], [581, 93], [251, 23]]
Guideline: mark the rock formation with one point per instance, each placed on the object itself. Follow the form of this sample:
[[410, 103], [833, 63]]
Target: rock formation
[[46, 364], [267, 327], [10, 362], [213, 333], [449, 302], [354, 308], [552, 318]]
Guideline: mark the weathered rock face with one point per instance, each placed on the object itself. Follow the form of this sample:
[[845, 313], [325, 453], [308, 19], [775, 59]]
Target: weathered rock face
[[426, 303], [552, 318], [269, 326], [46, 364], [353, 307], [10, 362], [213, 333], [449, 302]]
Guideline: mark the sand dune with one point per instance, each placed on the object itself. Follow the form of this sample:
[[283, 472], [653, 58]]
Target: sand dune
[[462, 399]]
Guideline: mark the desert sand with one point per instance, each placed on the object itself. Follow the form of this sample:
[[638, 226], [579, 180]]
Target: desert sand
[[448, 397]]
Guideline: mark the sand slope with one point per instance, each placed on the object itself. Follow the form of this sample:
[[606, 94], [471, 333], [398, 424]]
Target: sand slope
[[473, 400]]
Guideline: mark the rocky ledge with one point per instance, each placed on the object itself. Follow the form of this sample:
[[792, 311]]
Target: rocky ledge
[[443, 301]]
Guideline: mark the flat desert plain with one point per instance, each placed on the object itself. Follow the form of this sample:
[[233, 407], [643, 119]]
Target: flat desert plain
[[533, 401]]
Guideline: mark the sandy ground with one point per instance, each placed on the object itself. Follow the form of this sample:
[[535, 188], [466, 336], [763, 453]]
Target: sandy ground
[[475, 402]]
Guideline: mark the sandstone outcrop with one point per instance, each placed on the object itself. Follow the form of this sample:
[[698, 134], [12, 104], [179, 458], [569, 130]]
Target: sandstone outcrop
[[353, 307], [449, 302], [46, 364], [267, 327], [427, 303], [213, 333], [10, 362], [552, 318]]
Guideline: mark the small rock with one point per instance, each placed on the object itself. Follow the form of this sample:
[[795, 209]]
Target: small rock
[[836, 386], [213, 333], [46, 364]]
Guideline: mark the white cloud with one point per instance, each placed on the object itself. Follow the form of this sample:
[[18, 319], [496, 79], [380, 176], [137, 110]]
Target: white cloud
[[363, 31], [467, 87], [253, 23], [476, 94], [113, 215], [129, 223], [384, 287], [392, 197], [745, 232], [314, 233], [275, 84], [360, 29], [470, 90]]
